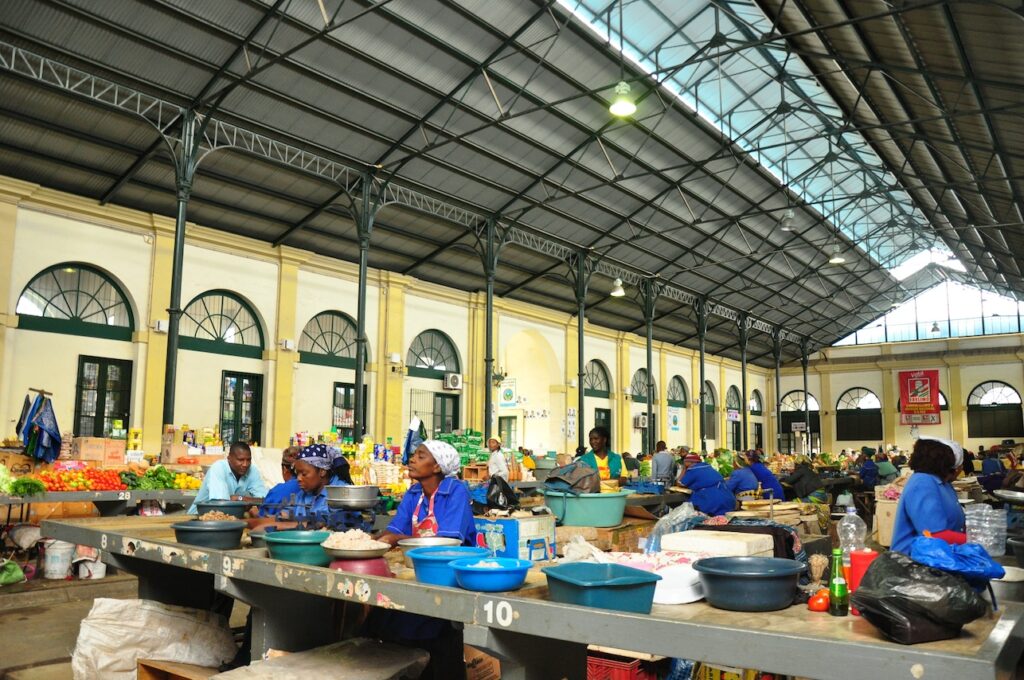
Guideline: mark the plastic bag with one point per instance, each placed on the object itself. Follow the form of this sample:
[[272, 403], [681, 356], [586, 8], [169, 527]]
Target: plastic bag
[[10, 573], [117, 633], [500, 495], [970, 560], [575, 478], [912, 602], [674, 521], [578, 550]]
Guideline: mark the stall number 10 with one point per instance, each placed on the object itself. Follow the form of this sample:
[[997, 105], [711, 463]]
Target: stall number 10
[[499, 612]]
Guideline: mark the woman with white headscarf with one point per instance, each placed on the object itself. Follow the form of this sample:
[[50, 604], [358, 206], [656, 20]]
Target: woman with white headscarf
[[929, 502], [438, 504]]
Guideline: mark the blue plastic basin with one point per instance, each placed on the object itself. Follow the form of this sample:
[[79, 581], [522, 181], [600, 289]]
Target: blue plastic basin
[[433, 565], [607, 586], [509, 576], [749, 584], [587, 509]]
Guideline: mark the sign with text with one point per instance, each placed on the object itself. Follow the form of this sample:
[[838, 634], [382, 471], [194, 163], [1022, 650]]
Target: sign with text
[[799, 427], [508, 396], [732, 415], [674, 418], [919, 397]]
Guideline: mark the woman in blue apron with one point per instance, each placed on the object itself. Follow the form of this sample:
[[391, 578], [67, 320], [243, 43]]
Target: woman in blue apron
[[710, 495]]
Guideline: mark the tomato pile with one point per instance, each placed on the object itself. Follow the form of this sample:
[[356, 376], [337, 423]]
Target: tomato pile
[[89, 479]]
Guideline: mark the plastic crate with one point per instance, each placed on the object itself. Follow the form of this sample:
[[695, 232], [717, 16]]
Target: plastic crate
[[607, 668]]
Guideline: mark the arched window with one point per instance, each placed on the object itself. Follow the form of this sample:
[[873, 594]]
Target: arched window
[[794, 401], [792, 415], [708, 404], [732, 399], [596, 382], [756, 405], [329, 339], [994, 410], [431, 355], [638, 386], [77, 299], [220, 321], [858, 415], [678, 395]]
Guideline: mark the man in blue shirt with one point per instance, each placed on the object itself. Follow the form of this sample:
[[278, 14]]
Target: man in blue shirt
[[232, 477]]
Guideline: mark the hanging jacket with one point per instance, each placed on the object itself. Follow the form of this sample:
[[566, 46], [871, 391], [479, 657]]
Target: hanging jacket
[[26, 430], [48, 443], [23, 418]]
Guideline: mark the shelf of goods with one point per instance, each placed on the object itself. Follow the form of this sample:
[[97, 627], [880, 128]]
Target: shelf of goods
[[107, 502], [536, 638]]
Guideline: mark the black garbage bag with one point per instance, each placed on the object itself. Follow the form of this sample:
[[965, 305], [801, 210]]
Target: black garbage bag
[[911, 602], [500, 495]]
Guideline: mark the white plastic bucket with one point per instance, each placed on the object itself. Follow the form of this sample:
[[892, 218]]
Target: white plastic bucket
[[57, 564], [89, 570]]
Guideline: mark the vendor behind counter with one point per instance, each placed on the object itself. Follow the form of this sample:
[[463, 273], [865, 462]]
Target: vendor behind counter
[[233, 477]]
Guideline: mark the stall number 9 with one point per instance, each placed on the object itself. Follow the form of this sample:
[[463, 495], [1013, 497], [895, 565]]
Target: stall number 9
[[498, 611]]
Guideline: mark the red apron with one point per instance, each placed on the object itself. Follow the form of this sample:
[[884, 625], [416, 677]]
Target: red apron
[[428, 525]]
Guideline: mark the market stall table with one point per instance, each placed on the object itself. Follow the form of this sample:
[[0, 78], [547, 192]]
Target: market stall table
[[109, 503], [536, 638]]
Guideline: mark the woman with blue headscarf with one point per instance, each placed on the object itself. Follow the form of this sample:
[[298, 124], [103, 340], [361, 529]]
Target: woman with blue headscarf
[[437, 504], [313, 470]]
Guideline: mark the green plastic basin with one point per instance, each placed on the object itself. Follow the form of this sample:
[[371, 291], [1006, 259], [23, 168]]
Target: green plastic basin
[[587, 509], [298, 546]]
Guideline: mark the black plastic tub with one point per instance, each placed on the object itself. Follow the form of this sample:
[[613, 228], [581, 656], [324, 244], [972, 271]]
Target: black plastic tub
[[749, 584], [221, 535], [233, 508]]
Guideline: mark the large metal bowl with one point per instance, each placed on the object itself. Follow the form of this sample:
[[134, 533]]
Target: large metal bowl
[[407, 544], [1014, 497], [354, 497]]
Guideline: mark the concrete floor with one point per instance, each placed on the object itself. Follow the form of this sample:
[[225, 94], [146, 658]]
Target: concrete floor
[[39, 623]]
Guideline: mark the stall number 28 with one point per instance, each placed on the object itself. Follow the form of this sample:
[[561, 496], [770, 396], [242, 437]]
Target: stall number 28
[[500, 612]]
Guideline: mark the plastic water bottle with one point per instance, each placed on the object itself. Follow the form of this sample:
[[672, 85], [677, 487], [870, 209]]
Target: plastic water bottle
[[852, 531], [986, 526]]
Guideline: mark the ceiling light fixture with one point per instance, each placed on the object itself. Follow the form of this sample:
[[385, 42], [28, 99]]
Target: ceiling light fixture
[[837, 255], [786, 223], [622, 103], [617, 289]]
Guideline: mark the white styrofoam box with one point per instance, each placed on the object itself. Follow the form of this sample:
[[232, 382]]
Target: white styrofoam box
[[720, 543]]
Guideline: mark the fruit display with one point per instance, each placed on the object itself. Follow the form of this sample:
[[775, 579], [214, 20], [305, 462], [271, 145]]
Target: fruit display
[[185, 481]]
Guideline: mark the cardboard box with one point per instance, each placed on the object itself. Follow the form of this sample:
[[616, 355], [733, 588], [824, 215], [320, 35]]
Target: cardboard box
[[885, 518], [170, 453], [171, 670], [113, 453], [18, 464], [626, 537], [88, 448], [41, 511], [206, 460], [479, 666], [79, 509], [563, 535], [525, 538]]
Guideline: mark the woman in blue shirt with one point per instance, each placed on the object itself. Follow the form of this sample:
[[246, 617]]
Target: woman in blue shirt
[[769, 482], [742, 478], [437, 504], [313, 470], [928, 502], [281, 494], [710, 495]]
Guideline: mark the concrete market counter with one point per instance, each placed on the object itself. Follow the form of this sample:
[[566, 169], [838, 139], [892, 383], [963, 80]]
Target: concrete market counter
[[107, 502], [535, 638]]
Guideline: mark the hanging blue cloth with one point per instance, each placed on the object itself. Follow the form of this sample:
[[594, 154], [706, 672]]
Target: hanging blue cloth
[[48, 442]]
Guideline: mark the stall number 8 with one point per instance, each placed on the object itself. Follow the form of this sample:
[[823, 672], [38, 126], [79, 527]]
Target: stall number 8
[[499, 612]]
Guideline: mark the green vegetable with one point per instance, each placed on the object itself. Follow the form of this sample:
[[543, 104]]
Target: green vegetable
[[129, 479], [5, 479], [27, 486], [160, 478]]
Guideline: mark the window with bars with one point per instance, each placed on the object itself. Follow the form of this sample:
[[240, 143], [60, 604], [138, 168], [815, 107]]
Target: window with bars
[[792, 411], [994, 410], [638, 386], [329, 339], [794, 401], [732, 399], [678, 395], [76, 299], [431, 355], [221, 322], [756, 405], [858, 415], [596, 382]]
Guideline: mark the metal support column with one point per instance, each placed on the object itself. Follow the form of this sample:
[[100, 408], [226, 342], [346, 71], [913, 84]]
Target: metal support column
[[582, 270], [807, 394], [702, 329], [186, 158], [777, 354], [490, 257], [364, 225], [744, 328], [651, 290]]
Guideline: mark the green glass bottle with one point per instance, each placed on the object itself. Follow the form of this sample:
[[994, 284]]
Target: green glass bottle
[[838, 593]]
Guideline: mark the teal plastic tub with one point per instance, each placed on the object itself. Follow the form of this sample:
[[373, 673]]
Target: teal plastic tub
[[587, 509], [298, 546], [606, 586]]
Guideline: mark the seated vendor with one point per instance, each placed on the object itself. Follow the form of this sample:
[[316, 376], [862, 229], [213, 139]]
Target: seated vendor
[[234, 477], [282, 493], [437, 504], [607, 463], [742, 478], [710, 494], [341, 472], [765, 477], [805, 482], [887, 472], [313, 470], [929, 502]]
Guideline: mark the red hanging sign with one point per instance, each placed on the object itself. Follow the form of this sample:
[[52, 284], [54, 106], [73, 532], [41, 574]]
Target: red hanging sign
[[919, 397]]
